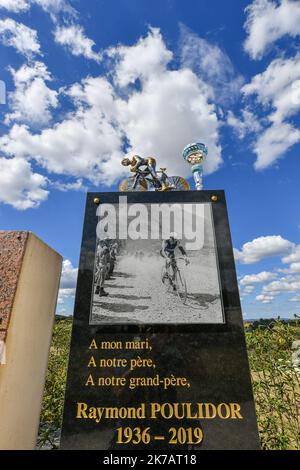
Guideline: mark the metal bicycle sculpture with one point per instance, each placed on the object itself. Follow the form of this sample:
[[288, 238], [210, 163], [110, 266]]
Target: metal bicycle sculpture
[[147, 178], [175, 282]]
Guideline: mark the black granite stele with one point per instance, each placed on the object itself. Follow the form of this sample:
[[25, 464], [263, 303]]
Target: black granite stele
[[212, 357]]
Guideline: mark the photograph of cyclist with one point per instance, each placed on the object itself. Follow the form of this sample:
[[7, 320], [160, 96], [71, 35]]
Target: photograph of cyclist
[[168, 252], [159, 280]]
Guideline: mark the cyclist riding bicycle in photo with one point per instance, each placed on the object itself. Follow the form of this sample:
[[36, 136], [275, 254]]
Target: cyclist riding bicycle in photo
[[168, 252]]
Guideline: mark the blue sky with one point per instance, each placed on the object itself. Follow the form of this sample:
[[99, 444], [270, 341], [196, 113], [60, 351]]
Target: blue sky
[[88, 81]]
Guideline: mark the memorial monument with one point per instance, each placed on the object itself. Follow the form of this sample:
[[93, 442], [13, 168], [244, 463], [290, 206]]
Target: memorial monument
[[158, 357]]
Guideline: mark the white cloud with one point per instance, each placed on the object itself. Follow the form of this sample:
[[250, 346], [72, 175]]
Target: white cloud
[[273, 143], [67, 282], [286, 284], [19, 185], [15, 5], [50, 6], [32, 100], [146, 59], [257, 278], [248, 123], [170, 109], [265, 299], [85, 144], [19, 36], [295, 298], [267, 21], [282, 286], [56, 6], [212, 64], [74, 39], [263, 247], [64, 295], [277, 90], [289, 277], [293, 257], [279, 87], [248, 282], [68, 275], [247, 290], [295, 267], [74, 186]]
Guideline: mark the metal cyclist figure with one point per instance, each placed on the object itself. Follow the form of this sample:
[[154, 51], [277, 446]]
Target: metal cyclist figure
[[146, 177]]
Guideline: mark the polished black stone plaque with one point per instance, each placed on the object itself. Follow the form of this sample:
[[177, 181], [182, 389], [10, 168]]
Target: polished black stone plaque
[[213, 357]]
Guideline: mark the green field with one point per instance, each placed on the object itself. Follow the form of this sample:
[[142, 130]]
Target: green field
[[276, 383]]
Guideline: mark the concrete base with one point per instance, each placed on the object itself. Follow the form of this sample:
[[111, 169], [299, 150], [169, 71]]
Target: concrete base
[[28, 296]]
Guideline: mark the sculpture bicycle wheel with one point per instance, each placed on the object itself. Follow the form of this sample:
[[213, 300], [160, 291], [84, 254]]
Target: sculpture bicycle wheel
[[133, 184], [178, 183]]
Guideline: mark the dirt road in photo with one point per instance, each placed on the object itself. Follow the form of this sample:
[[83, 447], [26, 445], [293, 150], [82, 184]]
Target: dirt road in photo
[[137, 294]]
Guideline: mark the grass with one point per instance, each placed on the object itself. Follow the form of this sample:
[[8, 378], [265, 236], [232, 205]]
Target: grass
[[53, 400], [276, 383]]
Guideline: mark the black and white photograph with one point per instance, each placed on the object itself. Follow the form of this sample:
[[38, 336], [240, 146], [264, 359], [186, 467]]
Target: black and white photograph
[[162, 269]]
